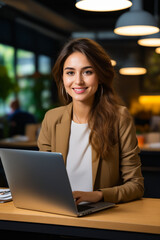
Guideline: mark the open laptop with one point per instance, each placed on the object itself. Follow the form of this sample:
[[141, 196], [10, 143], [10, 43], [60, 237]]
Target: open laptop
[[39, 181]]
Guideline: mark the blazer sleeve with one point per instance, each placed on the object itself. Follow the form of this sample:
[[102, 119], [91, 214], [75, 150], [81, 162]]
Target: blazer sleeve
[[44, 139], [132, 186]]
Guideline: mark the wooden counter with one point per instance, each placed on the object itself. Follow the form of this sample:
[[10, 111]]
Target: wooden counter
[[141, 216], [29, 145], [147, 147]]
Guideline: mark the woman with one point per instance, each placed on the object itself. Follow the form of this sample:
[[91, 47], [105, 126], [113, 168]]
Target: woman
[[95, 135]]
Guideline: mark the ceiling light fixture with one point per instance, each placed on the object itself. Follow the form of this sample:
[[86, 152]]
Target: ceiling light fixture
[[103, 5], [133, 71], [113, 62], [152, 40], [157, 50], [136, 22], [132, 66]]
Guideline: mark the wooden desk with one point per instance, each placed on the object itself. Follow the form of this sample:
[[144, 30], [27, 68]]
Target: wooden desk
[[147, 147], [30, 145], [135, 220]]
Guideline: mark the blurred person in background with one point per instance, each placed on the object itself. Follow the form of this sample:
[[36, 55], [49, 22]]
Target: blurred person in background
[[18, 119]]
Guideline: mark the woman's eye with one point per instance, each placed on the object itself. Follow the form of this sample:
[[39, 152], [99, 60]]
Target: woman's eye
[[70, 73], [88, 72]]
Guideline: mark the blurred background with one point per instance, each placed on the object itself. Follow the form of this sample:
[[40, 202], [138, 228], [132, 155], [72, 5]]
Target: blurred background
[[32, 34]]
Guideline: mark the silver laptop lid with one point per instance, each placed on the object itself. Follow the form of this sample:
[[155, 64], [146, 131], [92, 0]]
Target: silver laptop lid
[[38, 181]]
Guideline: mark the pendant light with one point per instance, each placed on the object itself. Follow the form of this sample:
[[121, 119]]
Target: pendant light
[[132, 66], [152, 40], [103, 5], [113, 62], [136, 22], [157, 50], [133, 71]]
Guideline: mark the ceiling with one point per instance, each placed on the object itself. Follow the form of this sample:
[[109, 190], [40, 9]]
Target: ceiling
[[85, 19], [60, 18]]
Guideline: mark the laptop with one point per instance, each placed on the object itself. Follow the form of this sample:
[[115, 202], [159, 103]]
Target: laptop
[[39, 181]]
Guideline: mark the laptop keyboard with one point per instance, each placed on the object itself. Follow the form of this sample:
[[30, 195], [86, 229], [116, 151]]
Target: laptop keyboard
[[83, 207]]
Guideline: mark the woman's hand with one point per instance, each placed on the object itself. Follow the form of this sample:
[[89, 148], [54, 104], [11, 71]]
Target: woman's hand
[[94, 196]]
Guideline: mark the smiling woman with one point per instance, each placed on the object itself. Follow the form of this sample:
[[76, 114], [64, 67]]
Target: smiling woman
[[80, 79], [93, 132]]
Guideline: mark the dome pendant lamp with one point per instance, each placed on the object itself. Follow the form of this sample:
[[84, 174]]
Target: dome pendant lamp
[[136, 22], [157, 50], [103, 5], [152, 40], [133, 71], [132, 66]]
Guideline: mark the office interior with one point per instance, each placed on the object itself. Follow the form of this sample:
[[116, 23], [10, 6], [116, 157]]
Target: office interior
[[32, 34]]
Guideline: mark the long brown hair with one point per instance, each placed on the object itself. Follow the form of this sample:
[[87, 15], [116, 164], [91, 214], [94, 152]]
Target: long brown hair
[[103, 114]]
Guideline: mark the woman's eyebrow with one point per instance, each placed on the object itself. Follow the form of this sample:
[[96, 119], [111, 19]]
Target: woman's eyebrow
[[71, 68], [87, 67]]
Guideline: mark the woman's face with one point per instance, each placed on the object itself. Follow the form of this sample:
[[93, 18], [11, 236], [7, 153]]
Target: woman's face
[[79, 78]]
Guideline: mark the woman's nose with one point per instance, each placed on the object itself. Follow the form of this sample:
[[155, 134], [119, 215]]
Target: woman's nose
[[79, 78]]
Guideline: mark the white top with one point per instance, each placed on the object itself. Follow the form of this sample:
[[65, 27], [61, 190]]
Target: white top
[[79, 159]]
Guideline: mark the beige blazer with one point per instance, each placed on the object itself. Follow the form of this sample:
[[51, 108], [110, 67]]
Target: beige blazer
[[118, 176]]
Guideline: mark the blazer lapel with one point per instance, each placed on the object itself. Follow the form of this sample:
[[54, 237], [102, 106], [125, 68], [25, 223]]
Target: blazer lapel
[[63, 132]]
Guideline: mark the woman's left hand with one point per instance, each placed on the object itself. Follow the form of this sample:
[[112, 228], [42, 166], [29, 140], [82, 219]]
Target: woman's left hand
[[94, 196]]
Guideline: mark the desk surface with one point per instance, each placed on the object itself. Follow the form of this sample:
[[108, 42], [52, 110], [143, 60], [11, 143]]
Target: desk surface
[[137, 216], [5, 143], [147, 147]]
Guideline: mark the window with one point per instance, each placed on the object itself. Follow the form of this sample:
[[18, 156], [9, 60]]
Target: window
[[44, 64], [25, 63], [33, 86], [7, 59], [35, 90], [25, 69], [7, 77]]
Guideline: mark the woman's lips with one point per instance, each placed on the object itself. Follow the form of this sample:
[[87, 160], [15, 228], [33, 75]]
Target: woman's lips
[[79, 90]]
